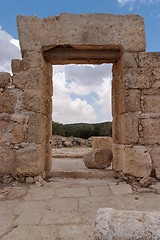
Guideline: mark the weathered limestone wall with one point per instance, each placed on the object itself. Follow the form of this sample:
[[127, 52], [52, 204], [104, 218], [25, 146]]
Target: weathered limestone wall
[[136, 114], [25, 108], [149, 127]]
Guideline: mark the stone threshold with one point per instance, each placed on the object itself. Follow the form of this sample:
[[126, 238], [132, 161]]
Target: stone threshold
[[88, 173]]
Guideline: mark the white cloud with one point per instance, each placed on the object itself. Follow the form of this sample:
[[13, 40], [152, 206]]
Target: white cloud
[[65, 109], [132, 2], [123, 2], [84, 81], [9, 49], [104, 98], [87, 75]]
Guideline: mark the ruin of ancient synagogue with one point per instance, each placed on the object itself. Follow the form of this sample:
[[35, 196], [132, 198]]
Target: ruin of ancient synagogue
[[26, 95]]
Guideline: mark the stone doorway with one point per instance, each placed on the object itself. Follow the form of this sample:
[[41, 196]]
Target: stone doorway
[[93, 38]]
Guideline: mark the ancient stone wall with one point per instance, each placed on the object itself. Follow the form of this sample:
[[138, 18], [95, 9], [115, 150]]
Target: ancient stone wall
[[26, 107], [25, 116], [136, 112]]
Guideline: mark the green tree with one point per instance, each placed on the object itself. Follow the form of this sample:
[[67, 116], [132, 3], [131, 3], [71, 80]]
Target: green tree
[[58, 129]]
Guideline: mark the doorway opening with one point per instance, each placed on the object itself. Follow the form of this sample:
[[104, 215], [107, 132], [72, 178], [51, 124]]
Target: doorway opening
[[64, 55], [81, 109]]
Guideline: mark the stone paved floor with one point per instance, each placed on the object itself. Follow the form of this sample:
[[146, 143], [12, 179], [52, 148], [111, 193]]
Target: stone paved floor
[[65, 208], [68, 164]]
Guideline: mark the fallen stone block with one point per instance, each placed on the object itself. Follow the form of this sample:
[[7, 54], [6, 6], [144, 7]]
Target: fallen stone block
[[127, 225], [102, 143], [98, 159]]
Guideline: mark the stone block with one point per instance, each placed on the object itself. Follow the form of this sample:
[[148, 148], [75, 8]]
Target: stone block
[[132, 160], [34, 102], [151, 130], [121, 188], [156, 86], [48, 154], [36, 128], [48, 157], [117, 78], [131, 135], [4, 120], [126, 225], [4, 123], [151, 104], [118, 104], [136, 78], [16, 66], [102, 143], [155, 90], [137, 162], [88, 30], [156, 73], [125, 102], [118, 157], [32, 79], [7, 159], [118, 130], [30, 160], [148, 60], [155, 156], [19, 117], [98, 159], [8, 101], [30, 60], [132, 100], [125, 128], [4, 79], [16, 133], [129, 60]]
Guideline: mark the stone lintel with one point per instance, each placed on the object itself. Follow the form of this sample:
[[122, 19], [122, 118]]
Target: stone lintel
[[112, 31], [68, 55]]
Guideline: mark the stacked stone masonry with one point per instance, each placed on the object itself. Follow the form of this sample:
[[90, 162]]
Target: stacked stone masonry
[[136, 109], [25, 96]]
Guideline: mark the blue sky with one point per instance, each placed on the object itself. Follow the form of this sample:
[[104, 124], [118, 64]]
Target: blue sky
[[81, 100]]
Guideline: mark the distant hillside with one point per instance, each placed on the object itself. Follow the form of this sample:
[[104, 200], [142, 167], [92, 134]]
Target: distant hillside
[[82, 130]]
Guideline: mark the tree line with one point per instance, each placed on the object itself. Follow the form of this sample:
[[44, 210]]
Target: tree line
[[82, 130]]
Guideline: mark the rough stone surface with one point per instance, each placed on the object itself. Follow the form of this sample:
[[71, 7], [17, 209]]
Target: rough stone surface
[[155, 153], [125, 128], [36, 79], [137, 161], [4, 79], [102, 143], [151, 59], [126, 225], [8, 101], [118, 157], [121, 188], [132, 160], [60, 142], [151, 130], [88, 29], [7, 159], [99, 158], [64, 208], [30, 160]]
